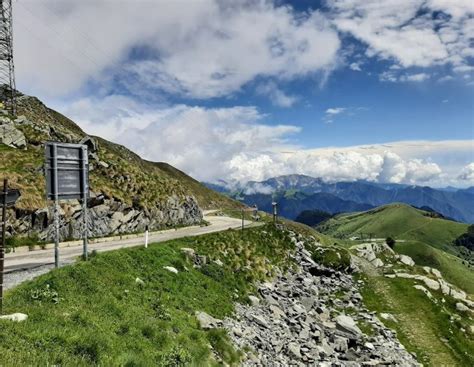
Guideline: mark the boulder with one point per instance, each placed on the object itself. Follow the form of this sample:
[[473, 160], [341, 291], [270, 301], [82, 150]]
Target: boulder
[[347, 324], [17, 317], [294, 350], [254, 300], [407, 260], [461, 307], [171, 269], [377, 262], [430, 283], [388, 316], [11, 136], [207, 322]]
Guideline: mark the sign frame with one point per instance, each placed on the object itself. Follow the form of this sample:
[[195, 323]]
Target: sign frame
[[67, 177]]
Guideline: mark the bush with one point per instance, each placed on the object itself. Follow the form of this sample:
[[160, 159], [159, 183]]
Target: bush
[[332, 257], [390, 242], [176, 357]]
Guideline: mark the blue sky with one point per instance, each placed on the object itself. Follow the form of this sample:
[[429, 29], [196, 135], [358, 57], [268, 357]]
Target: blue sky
[[339, 89]]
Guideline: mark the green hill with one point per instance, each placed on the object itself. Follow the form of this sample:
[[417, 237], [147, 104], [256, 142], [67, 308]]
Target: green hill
[[400, 221], [419, 234]]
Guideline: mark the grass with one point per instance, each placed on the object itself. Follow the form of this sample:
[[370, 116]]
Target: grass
[[435, 337], [399, 221], [95, 313], [453, 269]]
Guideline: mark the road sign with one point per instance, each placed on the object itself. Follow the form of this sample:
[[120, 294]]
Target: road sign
[[12, 196], [67, 177], [67, 171]]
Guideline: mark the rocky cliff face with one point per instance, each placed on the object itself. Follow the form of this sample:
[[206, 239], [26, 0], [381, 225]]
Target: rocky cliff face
[[106, 216], [128, 193]]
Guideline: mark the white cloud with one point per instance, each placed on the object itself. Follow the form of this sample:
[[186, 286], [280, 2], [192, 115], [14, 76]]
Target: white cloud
[[208, 48], [412, 33], [276, 95], [467, 173], [420, 77], [335, 110], [355, 66], [391, 76], [235, 144]]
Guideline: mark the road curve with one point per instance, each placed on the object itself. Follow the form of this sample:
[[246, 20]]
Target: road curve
[[25, 261]]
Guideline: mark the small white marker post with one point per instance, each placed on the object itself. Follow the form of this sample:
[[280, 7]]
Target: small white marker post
[[146, 237]]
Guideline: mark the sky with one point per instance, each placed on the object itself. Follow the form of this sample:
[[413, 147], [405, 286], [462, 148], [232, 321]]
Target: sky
[[378, 90]]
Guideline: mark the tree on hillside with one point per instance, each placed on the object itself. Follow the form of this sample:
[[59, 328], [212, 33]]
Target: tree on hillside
[[390, 242], [466, 239]]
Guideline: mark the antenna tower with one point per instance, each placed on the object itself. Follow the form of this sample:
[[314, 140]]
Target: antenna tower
[[7, 69]]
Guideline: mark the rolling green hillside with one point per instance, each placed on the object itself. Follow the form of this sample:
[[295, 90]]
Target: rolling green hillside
[[399, 221]]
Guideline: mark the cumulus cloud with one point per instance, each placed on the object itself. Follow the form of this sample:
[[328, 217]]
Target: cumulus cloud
[[211, 49], [235, 144], [412, 33], [467, 173]]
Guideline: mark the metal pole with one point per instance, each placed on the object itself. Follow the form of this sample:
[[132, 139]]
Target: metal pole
[[56, 200], [85, 189], [2, 246], [146, 236], [274, 212]]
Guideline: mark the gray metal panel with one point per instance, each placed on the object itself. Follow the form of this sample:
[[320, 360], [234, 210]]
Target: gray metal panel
[[66, 171]]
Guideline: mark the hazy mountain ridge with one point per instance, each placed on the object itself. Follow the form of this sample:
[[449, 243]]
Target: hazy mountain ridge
[[457, 204]]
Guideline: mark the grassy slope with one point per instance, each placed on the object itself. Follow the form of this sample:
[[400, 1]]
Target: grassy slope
[[423, 326], [104, 317], [425, 237], [128, 177], [452, 267], [400, 221]]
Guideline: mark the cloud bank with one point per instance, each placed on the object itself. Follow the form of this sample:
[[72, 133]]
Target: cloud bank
[[234, 144]]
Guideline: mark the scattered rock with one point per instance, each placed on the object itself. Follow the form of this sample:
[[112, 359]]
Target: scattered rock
[[17, 317], [11, 136], [430, 283], [294, 322], [254, 300], [207, 322], [139, 281], [407, 260], [461, 307], [377, 263], [171, 269], [347, 324], [388, 316]]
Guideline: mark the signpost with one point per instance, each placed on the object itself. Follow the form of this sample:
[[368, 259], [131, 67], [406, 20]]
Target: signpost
[[7, 198], [67, 177]]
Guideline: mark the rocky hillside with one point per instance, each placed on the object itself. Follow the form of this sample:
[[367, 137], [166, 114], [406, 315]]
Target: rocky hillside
[[268, 296], [127, 194]]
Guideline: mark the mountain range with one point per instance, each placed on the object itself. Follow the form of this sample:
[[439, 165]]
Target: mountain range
[[296, 193]]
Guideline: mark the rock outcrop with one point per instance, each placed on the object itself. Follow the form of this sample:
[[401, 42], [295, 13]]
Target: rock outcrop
[[106, 216]]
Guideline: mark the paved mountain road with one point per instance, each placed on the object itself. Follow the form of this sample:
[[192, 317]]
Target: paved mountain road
[[27, 265]]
